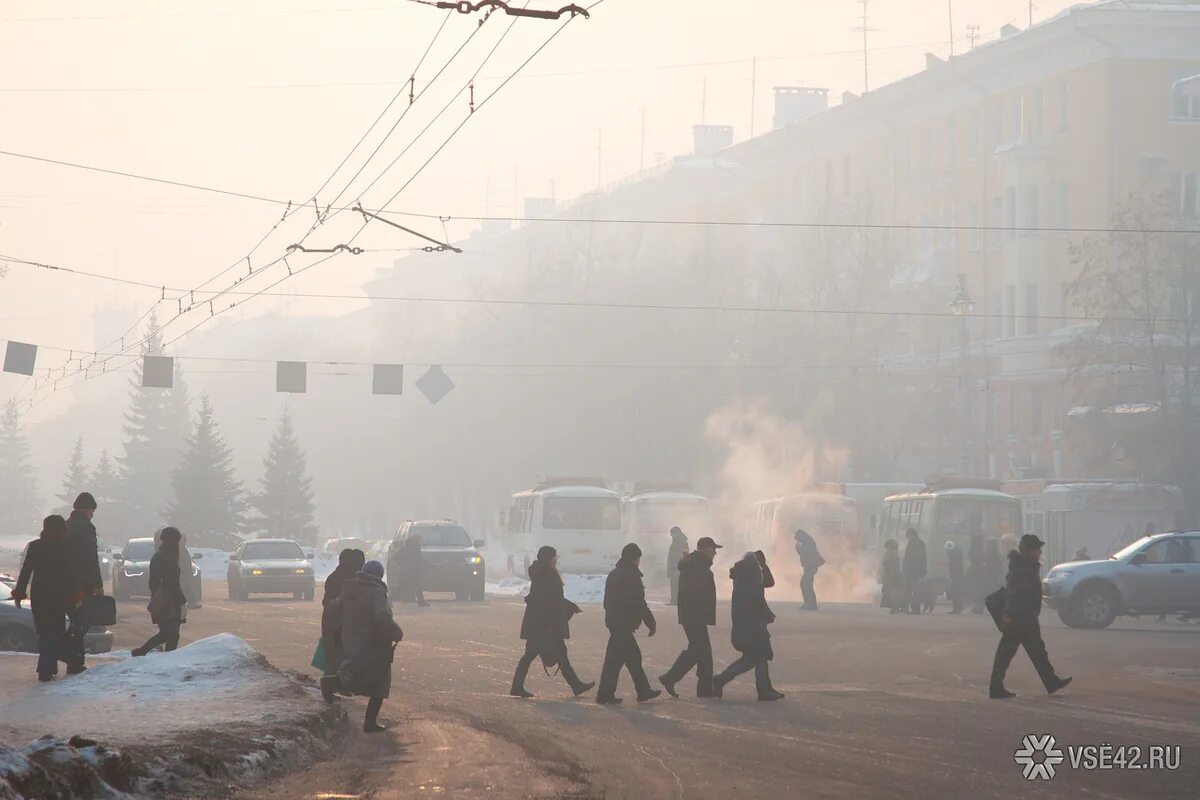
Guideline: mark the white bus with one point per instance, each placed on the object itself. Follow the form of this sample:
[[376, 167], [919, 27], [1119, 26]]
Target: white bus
[[831, 518], [649, 517], [580, 518]]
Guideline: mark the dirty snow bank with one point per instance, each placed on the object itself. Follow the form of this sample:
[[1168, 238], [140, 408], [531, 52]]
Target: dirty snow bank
[[581, 589], [212, 712]]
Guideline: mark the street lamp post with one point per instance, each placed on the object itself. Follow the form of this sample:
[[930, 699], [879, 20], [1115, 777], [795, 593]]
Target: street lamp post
[[962, 305]]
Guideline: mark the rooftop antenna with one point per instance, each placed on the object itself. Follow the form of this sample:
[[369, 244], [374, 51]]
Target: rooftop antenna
[[704, 101], [950, 19], [753, 89], [1032, 6], [972, 36]]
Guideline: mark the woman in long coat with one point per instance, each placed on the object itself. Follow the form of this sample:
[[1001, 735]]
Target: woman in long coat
[[546, 625], [751, 615], [168, 603], [369, 634], [46, 581]]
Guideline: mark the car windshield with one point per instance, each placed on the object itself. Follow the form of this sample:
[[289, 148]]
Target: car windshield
[[444, 536], [139, 550], [272, 550], [1130, 549]]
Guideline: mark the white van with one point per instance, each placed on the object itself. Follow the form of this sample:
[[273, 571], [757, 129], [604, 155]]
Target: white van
[[581, 520]]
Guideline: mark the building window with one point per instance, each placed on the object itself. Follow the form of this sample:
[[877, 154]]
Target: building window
[[1037, 118], [973, 136], [1185, 99], [1189, 196], [1031, 309], [997, 125], [995, 221], [1014, 413], [846, 175], [1036, 397], [1031, 218], [928, 159], [1064, 107], [1010, 311], [973, 224], [1010, 213], [1018, 112], [1062, 210]]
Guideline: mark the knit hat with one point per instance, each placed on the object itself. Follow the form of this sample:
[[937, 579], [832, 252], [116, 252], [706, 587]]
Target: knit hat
[[630, 552], [546, 552], [170, 535], [85, 502], [374, 569]]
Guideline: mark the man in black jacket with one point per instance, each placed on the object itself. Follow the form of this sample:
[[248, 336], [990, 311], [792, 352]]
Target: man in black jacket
[[625, 610], [916, 567], [697, 611], [1023, 604], [677, 550], [85, 568]]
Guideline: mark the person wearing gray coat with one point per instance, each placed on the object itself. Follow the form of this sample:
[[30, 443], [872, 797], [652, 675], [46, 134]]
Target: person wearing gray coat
[[369, 637]]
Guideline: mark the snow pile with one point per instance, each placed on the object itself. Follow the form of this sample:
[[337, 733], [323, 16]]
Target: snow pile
[[78, 768], [581, 589], [208, 684]]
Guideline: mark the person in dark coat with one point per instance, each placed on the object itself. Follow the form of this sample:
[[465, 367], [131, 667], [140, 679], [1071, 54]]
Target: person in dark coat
[[916, 567], [957, 589], [1019, 625], [975, 572], [46, 581], [546, 625], [751, 615], [1082, 555], [412, 572], [167, 600], [369, 637], [677, 550], [697, 611], [891, 578], [349, 563], [84, 557], [625, 611], [811, 561]]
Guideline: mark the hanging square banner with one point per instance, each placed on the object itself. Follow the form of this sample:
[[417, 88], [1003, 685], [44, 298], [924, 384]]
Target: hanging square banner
[[158, 372], [435, 385], [19, 358], [291, 376], [388, 379]]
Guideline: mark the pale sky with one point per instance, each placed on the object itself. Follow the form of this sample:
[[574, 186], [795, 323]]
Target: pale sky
[[266, 97]]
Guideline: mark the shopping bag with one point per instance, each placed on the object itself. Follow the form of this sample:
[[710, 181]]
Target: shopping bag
[[318, 659], [996, 603]]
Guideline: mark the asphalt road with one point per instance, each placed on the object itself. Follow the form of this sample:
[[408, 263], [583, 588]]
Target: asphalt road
[[877, 706]]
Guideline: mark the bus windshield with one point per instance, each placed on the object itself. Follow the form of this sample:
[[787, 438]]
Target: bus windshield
[[662, 515], [582, 513], [963, 517]]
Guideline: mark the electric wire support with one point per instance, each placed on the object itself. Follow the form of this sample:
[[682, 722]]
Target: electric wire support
[[434, 247], [467, 7], [340, 248]]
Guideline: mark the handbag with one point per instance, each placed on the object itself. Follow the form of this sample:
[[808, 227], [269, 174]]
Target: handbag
[[996, 603], [99, 611], [318, 659]]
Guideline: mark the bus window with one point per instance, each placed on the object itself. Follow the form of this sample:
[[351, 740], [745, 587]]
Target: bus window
[[581, 513]]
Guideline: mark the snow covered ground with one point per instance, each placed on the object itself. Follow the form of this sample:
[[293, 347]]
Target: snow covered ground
[[581, 589]]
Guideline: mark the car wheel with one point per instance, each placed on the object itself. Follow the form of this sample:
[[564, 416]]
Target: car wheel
[[477, 592], [1096, 607], [1070, 619], [297, 595], [310, 595], [461, 594], [14, 639]]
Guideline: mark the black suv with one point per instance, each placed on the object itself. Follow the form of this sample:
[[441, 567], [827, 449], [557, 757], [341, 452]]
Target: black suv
[[451, 560]]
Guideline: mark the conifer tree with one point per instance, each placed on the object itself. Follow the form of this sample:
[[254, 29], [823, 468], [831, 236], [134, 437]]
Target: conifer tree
[[209, 502], [106, 483], [19, 501], [285, 506], [76, 479]]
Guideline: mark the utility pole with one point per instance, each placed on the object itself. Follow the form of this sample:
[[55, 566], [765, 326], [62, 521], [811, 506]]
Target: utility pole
[[950, 19], [642, 151], [753, 90], [865, 28], [704, 101], [972, 36], [1031, 13]]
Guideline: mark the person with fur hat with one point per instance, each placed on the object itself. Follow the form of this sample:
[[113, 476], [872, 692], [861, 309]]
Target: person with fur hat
[[545, 626], [625, 611], [84, 558], [751, 615], [369, 637]]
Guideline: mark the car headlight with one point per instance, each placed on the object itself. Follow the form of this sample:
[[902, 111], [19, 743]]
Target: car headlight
[[195, 571], [256, 572], [303, 571], [1059, 575], [475, 559]]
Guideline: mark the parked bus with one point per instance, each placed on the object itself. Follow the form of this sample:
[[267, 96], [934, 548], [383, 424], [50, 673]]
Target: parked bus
[[870, 498], [831, 518], [941, 514], [1101, 516], [579, 517], [649, 517]]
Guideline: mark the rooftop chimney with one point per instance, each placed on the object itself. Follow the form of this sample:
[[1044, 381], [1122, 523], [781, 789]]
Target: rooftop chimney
[[711, 139], [1009, 30], [794, 103], [848, 97]]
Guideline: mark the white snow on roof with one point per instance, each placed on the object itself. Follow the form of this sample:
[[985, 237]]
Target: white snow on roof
[[1132, 408], [578, 491]]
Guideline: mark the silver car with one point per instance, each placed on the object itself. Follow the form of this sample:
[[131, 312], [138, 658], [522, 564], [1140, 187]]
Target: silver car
[[1157, 574]]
